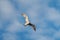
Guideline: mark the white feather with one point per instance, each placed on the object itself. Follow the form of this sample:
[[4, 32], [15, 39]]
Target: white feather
[[26, 18]]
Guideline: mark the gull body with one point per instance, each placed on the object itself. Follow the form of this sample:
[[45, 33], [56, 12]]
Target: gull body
[[28, 22]]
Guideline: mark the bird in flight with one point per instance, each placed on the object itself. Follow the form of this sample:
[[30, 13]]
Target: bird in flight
[[28, 22]]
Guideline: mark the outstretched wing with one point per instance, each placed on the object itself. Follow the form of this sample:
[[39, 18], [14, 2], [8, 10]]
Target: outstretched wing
[[26, 18], [33, 26]]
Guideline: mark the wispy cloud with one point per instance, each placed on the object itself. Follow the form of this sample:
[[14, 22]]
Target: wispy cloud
[[51, 14], [8, 14], [15, 27], [9, 36], [39, 13]]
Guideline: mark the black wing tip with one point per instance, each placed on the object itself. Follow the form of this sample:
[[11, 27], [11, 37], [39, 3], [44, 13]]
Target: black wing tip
[[34, 29]]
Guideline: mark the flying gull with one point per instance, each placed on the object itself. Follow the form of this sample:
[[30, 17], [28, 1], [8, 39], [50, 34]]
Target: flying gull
[[28, 22]]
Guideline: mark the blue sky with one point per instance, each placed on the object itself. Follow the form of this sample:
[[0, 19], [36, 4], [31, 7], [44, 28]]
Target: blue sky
[[45, 14]]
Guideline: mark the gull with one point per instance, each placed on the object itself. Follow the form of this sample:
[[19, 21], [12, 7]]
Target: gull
[[28, 22]]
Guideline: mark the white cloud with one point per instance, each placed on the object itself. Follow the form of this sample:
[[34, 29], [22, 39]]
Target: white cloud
[[42, 34], [9, 36], [1, 25], [51, 14], [27, 2], [57, 34], [7, 10], [9, 13], [15, 27]]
